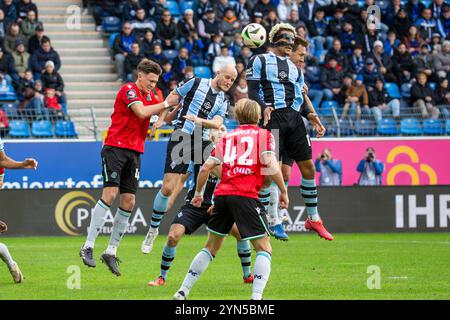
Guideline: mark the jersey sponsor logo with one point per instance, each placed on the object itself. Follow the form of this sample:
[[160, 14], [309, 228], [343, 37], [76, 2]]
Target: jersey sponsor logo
[[149, 97], [249, 71], [114, 175], [282, 75], [207, 105], [131, 94], [180, 214]]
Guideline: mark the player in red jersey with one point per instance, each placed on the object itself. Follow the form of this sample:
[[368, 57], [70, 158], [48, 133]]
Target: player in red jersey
[[135, 104], [247, 155]]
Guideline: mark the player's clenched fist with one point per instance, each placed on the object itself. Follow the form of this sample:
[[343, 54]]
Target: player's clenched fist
[[29, 164], [197, 201]]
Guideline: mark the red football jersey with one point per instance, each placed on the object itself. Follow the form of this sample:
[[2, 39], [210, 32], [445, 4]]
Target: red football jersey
[[240, 155], [127, 130]]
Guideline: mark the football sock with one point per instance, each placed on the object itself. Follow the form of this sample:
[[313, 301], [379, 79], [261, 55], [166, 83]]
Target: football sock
[[264, 197], [280, 211], [261, 272], [119, 228], [309, 194], [245, 254], [159, 208], [198, 266], [273, 205], [97, 222], [6, 256], [167, 257]]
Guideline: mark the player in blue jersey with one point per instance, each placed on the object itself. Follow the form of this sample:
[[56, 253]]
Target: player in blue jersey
[[275, 82], [8, 163], [203, 107]]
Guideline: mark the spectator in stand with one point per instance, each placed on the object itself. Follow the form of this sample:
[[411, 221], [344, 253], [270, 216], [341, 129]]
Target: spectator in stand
[[402, 64], [35, 41], [157, 9], [391, 43], [242, 10], [443, 98], [331, 79], [130, 9], [240, 67], [357, 61], [257, 17], [167, 32], [122, 47], [4, 124], [352, 11], [307, 9], [245, 55], [186, 25], [294, 19], [347, 82], [21, 59], [214, 47], [180, 62], [427, 25], [380, 103], [370, 74], [229, 26], [10, 11], [41, 56], [208, 27], [284, 9], [31, 103], [436, 45], [165, 78], [336, 24], [188, 73], [270, 20], [423, 98], [330, 169], [237, 45], [339, 55], [241, 90], [263, 6], [131, 62], [103, 8], [3, 24], [29, 24], [349, 39], [53, 106], [147, 43], [223, 59], [444, 23], [382, 61], [391, 11], [413, 40], [7, 71], [318, 31], [401, 24], [156, 55], [195, 47], [24, 7], [422, 61], [370, 37], [414, 8], [51, 79], [221, 8], [141, 24], [370, 169], [356, 95], [12, 36], [441, 61], [437, 7]]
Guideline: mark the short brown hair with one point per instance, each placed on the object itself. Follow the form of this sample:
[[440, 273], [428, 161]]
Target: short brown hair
[[147, 66], [247, 111], [299, 41]]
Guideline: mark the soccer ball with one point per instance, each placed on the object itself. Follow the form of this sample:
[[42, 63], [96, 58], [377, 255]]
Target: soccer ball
[[254, 35]]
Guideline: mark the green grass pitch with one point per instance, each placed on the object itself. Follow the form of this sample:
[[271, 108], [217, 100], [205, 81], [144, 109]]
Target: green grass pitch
[[412, 266]]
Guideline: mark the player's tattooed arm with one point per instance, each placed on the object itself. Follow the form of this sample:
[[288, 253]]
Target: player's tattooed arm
[[8, 163]]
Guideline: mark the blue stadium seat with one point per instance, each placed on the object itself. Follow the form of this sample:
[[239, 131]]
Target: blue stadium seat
[[65, 129], [447, 126], [406, 90], [326, 109], [433, 127], [10, 110], [42, 128], [111, 24], [382, 4], [410, 126], [202, 72], [426, 3], [387, 127], [19, 129], [361, 3], [392, 90], [7, 93], [170, 54], [365, 127], [320, 54], [231, 124], [112, 37], [187, 5], [432, 85], [173, 8]]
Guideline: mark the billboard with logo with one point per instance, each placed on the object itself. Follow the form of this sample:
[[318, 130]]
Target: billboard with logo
[[345, 209]]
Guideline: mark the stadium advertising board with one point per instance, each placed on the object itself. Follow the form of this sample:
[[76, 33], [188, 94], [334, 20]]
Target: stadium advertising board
[[77, 164], [67, 212]]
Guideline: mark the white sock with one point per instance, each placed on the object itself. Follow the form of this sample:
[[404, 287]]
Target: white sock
[[119, 228], [273, 205], [6, 256], [261, 272], [196, 269], [97, 223]]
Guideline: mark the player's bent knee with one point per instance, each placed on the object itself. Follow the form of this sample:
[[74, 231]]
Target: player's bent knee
[[109, 194], [262, 244], [127, 201]]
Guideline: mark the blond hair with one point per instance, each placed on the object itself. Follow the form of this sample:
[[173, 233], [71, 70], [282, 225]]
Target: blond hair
[[278, 27], [247, 111]]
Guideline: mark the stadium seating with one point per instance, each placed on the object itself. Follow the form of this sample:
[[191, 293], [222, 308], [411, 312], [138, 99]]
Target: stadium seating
[[365, 127], [432, 85], [410, 126], [187, 5], [7, 93], [345, 127], [392, 90], [112, 37], [326, 109], [111, 24], [387, 127], [42, 129], [65, 129], [10, 110], [406, 90], [432, 127], [202, 72], [231, 124], [19, 129], [173, 8], [447, 126], [170, 54]]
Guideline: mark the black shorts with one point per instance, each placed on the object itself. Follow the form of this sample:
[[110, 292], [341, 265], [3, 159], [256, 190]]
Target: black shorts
[[191, 217], [121, 168], [180, 153], [293, 139], [248, 214]]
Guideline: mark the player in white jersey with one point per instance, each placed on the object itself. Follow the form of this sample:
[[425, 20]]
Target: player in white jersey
[[8, 163]]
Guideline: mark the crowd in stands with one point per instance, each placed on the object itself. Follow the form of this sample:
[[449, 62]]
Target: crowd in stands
[[29, 66]]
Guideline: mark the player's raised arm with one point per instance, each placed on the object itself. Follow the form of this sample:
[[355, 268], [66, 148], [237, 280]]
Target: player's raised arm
[[202, 178], [8, 163], [214, 123]]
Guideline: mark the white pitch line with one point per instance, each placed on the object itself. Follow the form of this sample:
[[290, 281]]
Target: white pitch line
[[414, 241], [398, 278]]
